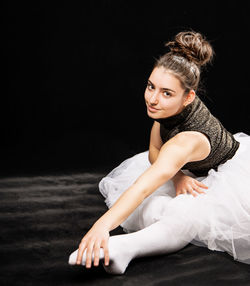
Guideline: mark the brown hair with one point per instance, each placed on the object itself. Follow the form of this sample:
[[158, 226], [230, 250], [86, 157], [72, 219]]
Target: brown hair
[[188, 52]]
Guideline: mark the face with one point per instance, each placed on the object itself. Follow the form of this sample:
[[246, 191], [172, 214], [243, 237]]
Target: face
[[164, 95]]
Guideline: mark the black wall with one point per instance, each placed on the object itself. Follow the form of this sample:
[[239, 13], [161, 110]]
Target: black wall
[[77, 72]]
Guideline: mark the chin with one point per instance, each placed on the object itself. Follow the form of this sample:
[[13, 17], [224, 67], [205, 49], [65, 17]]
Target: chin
[[153, 115]]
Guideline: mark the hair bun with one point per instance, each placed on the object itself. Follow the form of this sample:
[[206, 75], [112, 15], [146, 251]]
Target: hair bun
[[193, 46]]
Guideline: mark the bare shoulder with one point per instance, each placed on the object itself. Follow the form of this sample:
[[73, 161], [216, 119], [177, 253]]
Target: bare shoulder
[[197, 141], [194, 136]]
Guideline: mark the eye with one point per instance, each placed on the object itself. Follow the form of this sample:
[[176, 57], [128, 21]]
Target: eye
[[167, 94], [150, 86]]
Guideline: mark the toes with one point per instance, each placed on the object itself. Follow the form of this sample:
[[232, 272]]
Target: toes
[[72, 257]]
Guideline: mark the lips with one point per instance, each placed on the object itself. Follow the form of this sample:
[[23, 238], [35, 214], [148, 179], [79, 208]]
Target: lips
[[152, 109]]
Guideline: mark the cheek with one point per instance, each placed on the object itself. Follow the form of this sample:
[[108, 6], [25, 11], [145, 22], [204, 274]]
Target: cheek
[[163, 103], [146, 95], [167, 105]]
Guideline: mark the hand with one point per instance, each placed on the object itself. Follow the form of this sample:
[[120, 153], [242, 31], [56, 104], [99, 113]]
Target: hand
[[96, 238], [185, 184]]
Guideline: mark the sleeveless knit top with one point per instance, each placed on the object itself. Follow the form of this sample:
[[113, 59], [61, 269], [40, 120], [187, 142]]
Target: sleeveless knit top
[[196, 117]]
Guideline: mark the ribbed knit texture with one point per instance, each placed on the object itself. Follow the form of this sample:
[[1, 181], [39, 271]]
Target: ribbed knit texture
[[197, 117]]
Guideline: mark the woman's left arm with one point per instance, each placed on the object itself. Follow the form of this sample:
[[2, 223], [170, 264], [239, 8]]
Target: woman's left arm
[[174, 154]]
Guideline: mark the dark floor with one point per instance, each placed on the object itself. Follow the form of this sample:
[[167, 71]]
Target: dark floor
[[43, 219]]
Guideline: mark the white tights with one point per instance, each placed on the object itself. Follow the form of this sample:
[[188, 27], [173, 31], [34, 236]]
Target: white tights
[[161, 237]]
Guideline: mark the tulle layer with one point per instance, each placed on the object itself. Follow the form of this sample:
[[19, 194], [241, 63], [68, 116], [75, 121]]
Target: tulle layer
[[219, 219]]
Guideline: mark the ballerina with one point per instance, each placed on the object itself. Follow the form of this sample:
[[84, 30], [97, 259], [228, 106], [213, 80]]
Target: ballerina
[[191, 186]]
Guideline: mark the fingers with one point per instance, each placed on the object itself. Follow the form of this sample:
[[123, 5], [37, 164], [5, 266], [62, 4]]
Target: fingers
[[92, 247], [191, 186], [202, 184], [81, 249], [193, 190], [197, 189], [193, 193], [89, 255], [106, 253], [96, 254]]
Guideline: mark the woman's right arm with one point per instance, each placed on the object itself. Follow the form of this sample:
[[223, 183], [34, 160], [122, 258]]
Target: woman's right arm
[[182, 183], [155, 145], [175, 153]]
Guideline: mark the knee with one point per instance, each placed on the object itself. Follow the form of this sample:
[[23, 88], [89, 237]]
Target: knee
[[153, 210]]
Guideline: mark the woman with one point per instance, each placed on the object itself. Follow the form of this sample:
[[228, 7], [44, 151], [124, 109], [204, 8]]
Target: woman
[[191, 186]]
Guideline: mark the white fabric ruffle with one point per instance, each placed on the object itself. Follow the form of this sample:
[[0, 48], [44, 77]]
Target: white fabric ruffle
[[219, 219]]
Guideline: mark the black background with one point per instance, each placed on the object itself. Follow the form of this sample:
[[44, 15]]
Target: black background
[[77, 72]]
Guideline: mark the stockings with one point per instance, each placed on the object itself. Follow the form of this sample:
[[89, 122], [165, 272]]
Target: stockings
[[161, 237]]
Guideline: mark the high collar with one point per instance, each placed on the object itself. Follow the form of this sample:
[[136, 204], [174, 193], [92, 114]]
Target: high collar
[[172, 121]]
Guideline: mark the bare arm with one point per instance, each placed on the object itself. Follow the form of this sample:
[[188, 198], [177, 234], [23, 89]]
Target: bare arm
[[171, 157], [178, 179], [175, 153], [155, 146], [155, 143]]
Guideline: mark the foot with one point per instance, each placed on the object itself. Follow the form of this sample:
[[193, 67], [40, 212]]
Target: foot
[[119, 257]]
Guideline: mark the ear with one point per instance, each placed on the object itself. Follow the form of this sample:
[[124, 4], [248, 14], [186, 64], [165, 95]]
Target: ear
[[190, 96]]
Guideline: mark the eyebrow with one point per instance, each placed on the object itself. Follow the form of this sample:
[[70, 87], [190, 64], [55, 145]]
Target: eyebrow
[[163, 88]]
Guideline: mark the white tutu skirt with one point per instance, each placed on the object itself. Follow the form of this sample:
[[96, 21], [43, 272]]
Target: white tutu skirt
[[218, 220]]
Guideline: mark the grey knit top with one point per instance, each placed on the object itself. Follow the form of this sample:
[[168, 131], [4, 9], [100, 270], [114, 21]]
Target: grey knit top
[[196, 117]]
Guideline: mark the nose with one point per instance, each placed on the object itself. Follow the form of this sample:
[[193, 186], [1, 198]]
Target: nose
[[153, 99]]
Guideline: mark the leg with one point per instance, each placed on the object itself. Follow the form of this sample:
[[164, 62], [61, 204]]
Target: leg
[[162, 237]]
